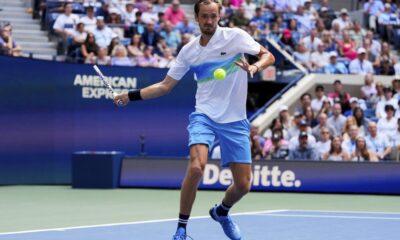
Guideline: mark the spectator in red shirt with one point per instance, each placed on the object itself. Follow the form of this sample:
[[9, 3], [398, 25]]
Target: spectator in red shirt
[[174, 13]]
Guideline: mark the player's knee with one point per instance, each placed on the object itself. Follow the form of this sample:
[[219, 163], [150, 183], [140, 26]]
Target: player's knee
[[243, 186], [195, 172]]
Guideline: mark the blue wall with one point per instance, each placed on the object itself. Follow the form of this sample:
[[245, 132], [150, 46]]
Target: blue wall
[[44, 118]]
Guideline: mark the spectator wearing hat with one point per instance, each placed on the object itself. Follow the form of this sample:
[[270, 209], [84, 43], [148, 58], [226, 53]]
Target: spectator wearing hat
[[326, 108], [387, 125], [150, 36], [324, 142], [361, 65], [336, 152], [303, 150], [323, 123], [325, 6], [337, 120], [343, 20], [353, 104], [326, 17], [319, 58], [174, 13], [335, 67], [317, 102], [309, 10], [303, 127], [276, 148], [287, 42], [372, 9], [294, 130], [387, 100], [89, 19], [103, 34]]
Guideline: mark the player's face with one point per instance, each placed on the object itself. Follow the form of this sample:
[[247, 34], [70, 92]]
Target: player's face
[[208, 18]]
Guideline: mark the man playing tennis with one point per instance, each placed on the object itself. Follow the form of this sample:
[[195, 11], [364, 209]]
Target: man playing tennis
[[220, 108]]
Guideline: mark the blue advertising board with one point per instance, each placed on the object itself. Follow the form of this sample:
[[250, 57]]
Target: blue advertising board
[[50, 110], [287, 176]]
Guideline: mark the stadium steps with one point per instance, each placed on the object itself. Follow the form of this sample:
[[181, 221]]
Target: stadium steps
[[26, 31]]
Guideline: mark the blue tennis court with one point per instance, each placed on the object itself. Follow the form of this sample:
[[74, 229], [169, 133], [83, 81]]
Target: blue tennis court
[[275, 224]]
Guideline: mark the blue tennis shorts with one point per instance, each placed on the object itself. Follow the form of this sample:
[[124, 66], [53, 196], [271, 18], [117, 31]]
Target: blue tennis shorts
[[234, 137]]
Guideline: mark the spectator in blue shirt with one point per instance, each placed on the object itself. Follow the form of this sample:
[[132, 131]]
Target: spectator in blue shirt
[[303, 151], [260, 19], [372, 9], [185, 26], [335, 67]]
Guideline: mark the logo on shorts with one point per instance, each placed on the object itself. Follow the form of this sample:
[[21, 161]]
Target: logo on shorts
[[223, 53]]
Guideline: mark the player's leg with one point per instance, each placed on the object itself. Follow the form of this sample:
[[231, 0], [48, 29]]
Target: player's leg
[[194, 173], [241, 174], [235, 152], [201, 136]]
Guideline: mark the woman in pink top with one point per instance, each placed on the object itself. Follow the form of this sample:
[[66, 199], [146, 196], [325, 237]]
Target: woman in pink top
[[347, 47]]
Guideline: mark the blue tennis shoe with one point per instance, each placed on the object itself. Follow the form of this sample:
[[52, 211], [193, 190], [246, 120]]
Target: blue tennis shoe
[[180, 234], [230, 228]]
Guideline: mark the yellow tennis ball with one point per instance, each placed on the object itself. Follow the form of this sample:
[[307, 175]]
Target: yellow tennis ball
[[219, 74]]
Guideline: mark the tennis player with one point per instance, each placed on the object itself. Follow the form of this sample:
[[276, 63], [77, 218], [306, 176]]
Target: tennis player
[[220, 108]]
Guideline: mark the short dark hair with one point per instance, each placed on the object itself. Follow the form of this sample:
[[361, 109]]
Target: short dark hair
[[304, 95], [205, 2], [319, 87]]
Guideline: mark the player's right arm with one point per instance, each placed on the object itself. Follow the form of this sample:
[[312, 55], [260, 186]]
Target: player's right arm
[[153, 91]]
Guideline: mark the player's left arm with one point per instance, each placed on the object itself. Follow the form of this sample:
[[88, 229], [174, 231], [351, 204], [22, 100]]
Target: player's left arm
[[265, 59]]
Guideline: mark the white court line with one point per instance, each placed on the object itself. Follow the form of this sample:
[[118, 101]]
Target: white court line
[[134, 223], [331, 211], [326, 216]]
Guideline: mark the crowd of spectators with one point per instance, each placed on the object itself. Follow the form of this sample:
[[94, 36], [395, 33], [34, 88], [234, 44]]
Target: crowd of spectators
[[335, 126], [320, 39], [123, 33]]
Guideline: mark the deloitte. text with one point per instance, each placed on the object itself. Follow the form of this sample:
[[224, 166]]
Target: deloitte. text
[[262, 176]]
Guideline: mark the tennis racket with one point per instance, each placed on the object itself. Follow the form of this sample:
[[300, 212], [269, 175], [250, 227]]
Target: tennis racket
[[103, 79]]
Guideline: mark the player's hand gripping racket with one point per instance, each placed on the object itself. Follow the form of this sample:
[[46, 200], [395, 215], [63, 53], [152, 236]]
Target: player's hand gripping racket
[[120, 103]]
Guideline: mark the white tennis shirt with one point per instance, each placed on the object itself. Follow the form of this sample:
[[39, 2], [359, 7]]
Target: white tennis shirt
[[224, 100]]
